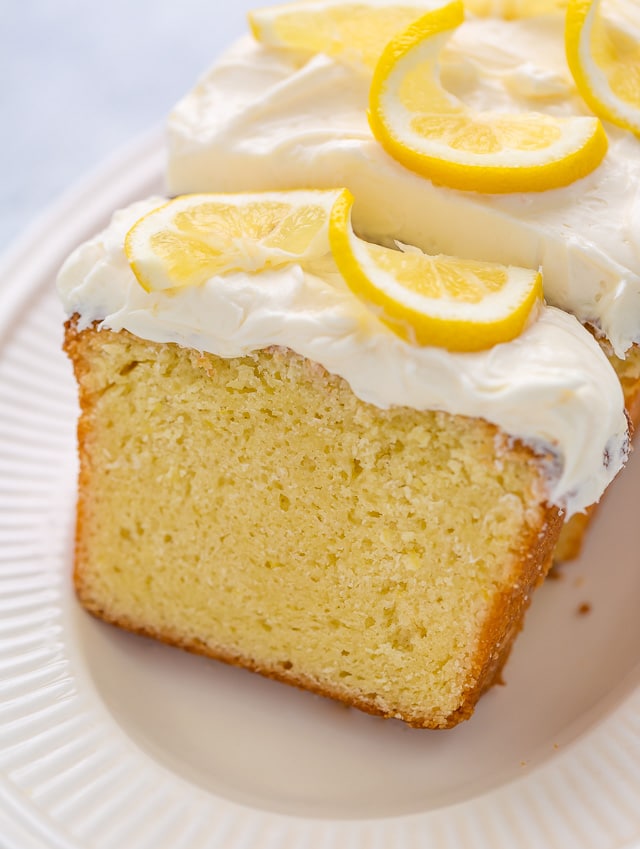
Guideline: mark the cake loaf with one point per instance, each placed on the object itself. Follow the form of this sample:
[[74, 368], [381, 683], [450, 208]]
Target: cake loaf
[[247, 126]]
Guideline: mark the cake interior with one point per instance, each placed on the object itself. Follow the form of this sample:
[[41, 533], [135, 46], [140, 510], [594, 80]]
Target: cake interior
[[255, 510]]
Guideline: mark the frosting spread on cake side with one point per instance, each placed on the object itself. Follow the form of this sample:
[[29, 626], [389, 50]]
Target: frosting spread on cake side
[[543, 387], [269, 119]]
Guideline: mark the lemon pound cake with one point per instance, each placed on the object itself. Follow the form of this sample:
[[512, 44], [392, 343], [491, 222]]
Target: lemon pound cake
[[426, 130], [271, 476]]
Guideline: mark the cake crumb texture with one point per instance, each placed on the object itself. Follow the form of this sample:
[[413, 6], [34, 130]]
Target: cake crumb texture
[[255, 510]]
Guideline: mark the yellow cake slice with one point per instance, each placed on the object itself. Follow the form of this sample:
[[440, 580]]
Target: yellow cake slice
[[270, 476]]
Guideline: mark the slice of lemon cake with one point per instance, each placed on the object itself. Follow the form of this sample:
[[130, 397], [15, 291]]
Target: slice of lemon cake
[[475, 135], [273, 475]]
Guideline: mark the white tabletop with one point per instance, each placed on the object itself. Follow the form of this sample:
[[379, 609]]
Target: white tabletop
[[80, 78]]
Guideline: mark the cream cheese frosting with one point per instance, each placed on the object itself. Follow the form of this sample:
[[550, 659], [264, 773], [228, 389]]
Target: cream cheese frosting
[[552, 387], [272, 119]]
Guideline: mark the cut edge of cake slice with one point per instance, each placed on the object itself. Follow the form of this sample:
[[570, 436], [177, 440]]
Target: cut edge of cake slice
[[256, 511]]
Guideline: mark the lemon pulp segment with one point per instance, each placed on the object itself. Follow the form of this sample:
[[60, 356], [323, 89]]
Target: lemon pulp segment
[[355, 32], [194, 237], [514, 9]]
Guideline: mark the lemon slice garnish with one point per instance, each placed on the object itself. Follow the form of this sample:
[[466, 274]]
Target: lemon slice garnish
[[431, 132], [514, 9], [194, 237], [459, 304], [605, 63], [355, 32]]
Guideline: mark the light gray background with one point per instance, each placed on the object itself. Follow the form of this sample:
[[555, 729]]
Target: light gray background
[[80, 78]]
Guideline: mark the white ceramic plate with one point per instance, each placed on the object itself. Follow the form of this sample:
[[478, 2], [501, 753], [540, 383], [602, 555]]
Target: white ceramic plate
[[110, 741]]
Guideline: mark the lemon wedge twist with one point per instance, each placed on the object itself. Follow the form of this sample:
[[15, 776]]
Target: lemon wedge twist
[[459, 304], [430, 131]]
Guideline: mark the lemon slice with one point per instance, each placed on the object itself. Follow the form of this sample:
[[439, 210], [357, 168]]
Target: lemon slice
[[459, 304], [355, 32], [194, 237], [605, 63], [431, 132], [514, 9]]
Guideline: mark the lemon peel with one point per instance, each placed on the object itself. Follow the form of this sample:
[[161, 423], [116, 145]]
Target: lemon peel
[[431, 132], [458, 304]]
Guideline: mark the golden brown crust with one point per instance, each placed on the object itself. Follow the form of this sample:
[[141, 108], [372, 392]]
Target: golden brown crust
[[572, 536], [507, 617], [628, 371], [499, 631], [495, 647], [281, 674], [80, 367]]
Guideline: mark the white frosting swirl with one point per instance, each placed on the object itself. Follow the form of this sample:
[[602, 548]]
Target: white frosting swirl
[[269, 119], [551, 387]]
